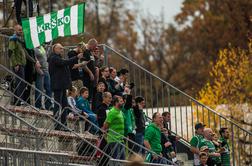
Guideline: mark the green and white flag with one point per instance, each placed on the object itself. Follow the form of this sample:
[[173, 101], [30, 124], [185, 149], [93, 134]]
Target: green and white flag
[[65, 22]]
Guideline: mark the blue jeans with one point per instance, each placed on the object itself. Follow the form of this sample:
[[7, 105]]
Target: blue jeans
[[93, 119], [43, 82], [139, 139], [117, 151]]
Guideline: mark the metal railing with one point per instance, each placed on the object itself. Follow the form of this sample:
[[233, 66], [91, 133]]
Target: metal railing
[[13, 157], [130, 147], [185, 110], [9, 123], [81, 144], [15, 135]]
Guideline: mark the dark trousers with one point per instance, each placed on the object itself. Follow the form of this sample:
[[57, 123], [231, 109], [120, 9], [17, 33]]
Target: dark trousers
[[18, 6], [104, 147], [132, 144], [61, 98], [19, 85], [117, 151], [29, 77], [139, 139]]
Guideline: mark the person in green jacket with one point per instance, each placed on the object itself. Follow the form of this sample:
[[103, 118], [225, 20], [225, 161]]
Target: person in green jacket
[[114, 126], [195, 141], [17, 54], [82, 103], [225, 154], [129, 119], [152, 138], [214, 156]]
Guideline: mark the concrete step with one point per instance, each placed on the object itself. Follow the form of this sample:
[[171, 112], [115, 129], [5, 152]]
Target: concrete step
[[188, 163], [41, 119], [182, 156], [24, 138]]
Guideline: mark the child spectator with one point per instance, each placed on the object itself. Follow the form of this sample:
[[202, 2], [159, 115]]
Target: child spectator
[[204, 149], [203, 156], [83, 104], [71, 97], [98, 96]]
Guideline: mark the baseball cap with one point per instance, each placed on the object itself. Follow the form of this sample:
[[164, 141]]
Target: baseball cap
[[199, 125], [203, 148]]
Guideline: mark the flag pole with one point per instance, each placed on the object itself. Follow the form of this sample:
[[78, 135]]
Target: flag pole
[[50, 45]]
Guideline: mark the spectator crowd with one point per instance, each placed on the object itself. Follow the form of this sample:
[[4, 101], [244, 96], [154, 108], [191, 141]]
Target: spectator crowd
[[103, 95]]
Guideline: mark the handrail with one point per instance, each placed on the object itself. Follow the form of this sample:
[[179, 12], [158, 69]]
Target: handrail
[[160, 79], [41, 92], [65, 128], [144, 163], [17, 117], [124, 138], [186, 110], [32, 151]]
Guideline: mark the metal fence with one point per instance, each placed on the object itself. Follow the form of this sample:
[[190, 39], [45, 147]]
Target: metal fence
[[185, 111], [78, 141], [14, 157], [10, 135]]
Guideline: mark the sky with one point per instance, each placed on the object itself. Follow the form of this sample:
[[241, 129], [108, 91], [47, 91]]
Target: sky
[[170, 8]]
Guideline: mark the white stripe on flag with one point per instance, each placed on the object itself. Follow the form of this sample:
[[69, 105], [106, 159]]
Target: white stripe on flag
[[48, 33], [60, 14], [34, 32], [74, 19]]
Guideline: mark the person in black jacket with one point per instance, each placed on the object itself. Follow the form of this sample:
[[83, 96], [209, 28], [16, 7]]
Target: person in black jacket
[[60, 78], [166, 121], [97, 101], [76, 72], [101, 113], [140, 120], [89, 73], [103, 108]]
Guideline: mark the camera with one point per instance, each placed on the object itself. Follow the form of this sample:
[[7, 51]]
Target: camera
[[131, 85]]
